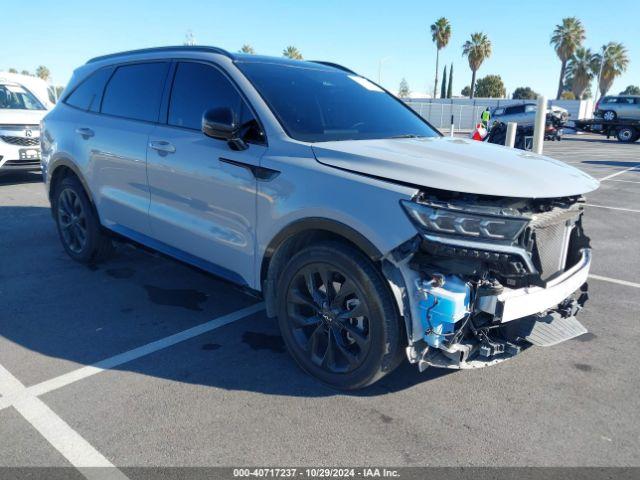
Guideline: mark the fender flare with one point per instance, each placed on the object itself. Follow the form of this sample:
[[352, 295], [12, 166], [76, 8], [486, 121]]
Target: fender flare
[[271, 263]]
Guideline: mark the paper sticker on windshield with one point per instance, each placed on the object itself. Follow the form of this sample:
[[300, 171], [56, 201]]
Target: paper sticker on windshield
[[365, 83]]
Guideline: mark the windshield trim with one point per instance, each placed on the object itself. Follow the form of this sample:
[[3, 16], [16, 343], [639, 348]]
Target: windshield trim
[[317, 66]]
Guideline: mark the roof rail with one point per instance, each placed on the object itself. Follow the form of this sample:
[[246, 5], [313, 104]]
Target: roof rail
[[334, 65], [185, 48]]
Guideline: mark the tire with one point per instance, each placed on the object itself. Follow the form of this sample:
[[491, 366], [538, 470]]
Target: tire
[[360, 324], [627, 134], [78, 225], [609, 115]]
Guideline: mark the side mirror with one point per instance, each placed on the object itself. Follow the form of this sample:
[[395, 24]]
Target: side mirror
[[221, 123]]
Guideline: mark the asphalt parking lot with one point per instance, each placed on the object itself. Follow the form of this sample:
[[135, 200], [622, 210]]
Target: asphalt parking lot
[[143, 361]]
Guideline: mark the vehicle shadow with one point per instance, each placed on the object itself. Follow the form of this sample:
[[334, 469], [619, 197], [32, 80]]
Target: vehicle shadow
[[11, 178], [58, 315], [614, 163]]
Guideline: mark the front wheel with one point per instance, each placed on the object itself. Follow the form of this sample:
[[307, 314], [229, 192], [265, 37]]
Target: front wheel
[[609, 115], [337, 316]]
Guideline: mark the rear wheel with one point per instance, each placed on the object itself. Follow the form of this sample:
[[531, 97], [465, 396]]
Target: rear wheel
[[337, 316], [78, 225], [609, 115], [627, 134]]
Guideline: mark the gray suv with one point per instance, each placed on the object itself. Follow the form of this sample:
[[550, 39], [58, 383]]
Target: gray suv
[[370, 236]]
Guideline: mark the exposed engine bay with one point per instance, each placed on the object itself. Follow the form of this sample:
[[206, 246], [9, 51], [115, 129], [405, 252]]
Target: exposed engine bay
[[488, 277]]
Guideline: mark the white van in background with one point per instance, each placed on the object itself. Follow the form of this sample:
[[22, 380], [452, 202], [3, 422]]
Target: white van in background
[[24, 101]]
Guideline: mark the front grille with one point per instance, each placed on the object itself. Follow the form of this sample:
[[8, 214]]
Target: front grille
[[22, 163], [551, 232], [21, 141]]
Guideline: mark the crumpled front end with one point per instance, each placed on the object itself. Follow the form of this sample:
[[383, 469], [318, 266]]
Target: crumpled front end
[[487, 278]]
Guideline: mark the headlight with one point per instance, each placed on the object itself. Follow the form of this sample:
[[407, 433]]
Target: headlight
[[448, 222]]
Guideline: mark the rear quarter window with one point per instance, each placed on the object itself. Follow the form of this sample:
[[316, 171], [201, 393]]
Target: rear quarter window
[[88, 94], [135, 91]]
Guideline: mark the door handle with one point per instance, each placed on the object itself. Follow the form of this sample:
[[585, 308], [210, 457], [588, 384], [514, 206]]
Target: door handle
[[85, 132], [162, 146]]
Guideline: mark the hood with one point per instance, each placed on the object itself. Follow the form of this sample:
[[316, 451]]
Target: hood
[[458, 165], [21, 117]]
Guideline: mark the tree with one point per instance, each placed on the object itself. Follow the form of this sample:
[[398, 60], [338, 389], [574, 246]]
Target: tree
[[403, 90], [566, 38], [450, 86], [440, 34], [292, 52], [524, 93], [443, 87], [43, 73], [567, 95], [476, 50], [490, 86], [25, 72], [631, 90], [13, 70], [581, 69], [616, 61], [466, 91], [246, 48]]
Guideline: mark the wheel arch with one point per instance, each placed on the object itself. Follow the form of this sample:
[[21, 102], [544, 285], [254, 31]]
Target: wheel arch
[[299, 234], [63, 167]]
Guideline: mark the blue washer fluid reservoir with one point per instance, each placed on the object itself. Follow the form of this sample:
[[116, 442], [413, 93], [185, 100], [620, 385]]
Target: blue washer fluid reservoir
[[442, 306]]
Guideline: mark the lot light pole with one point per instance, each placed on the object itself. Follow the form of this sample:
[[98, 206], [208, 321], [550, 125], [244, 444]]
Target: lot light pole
[[380, 62]]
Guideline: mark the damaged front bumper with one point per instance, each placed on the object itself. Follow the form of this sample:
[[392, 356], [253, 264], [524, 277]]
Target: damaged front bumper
[[461, 318]]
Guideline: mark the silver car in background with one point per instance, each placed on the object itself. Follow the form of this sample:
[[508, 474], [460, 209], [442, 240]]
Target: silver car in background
[[370, 236], [619, 107], [525, 114]]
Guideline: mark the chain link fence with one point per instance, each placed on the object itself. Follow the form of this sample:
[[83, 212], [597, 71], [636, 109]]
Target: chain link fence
[[442, 115]]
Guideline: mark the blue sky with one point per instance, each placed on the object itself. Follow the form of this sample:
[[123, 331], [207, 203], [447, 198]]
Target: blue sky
[[64, 34]]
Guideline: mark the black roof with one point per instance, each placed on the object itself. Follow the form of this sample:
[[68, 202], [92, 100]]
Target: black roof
[[242, 57]]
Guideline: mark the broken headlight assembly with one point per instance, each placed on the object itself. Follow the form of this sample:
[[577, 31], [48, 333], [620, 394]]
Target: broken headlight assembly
[[443, 221]]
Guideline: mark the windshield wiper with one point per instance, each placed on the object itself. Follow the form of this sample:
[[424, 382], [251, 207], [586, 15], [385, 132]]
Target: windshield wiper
[[407, 135]]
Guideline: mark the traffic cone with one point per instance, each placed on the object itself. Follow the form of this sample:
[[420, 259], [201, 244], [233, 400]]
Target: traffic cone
[[479, 133]]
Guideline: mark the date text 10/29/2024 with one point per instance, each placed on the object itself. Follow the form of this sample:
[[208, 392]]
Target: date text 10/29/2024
[[316, 473]]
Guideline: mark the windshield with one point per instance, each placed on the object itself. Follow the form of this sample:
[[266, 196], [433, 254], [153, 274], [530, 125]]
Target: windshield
[[320, 104], [16, 97]]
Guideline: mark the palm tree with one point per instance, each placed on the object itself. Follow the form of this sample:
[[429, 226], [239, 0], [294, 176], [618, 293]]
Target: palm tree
[[476, 50], [292, 52], [246, 48], [440, 34], [566, 38], [43, 73], [581, 69], [616, 61]]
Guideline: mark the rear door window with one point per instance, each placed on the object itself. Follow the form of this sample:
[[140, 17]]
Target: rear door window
[[88, 94], [135, 91]]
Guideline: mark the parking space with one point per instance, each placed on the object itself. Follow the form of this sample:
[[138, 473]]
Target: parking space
[[143, 361]]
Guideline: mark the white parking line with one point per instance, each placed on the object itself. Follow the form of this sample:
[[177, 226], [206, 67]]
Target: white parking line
[[57, 432], [613, 208], [615, 280], [80, 453], [112, 362], [608, 177]]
